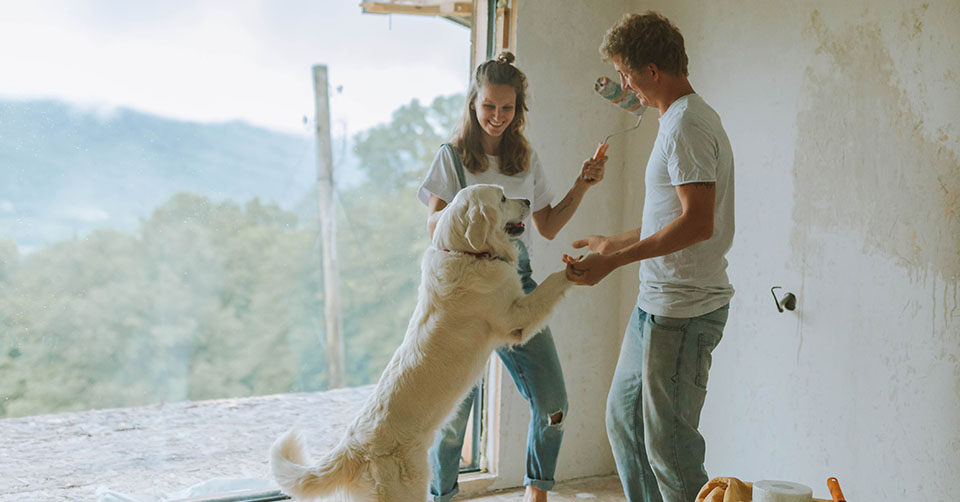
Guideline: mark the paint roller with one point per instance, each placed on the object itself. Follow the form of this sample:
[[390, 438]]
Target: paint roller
[[612, 92]]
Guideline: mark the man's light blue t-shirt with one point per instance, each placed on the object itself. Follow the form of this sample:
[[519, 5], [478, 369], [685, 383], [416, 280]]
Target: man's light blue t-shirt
[[691, 147]]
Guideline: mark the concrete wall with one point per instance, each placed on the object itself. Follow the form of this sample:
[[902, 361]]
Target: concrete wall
[[842, 117]]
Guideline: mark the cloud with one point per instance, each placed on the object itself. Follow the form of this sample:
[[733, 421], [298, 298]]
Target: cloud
[[226, 60], [84, 213]]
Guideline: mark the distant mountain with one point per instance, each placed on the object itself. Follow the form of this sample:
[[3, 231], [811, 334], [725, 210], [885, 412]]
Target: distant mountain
[[65, 170]]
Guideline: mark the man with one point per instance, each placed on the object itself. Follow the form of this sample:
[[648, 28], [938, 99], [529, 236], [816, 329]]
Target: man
[[658, 389]]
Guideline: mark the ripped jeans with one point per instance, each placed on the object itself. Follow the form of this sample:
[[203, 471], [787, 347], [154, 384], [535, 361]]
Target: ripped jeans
[[535, 369]]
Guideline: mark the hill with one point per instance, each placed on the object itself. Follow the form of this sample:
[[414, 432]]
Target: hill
[[65, 170]]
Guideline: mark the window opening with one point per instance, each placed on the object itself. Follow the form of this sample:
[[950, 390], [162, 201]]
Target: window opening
[[159, 223]]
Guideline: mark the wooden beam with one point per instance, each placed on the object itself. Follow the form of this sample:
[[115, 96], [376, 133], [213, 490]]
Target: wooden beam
[[440, 8], [506, 27], [328, 231]]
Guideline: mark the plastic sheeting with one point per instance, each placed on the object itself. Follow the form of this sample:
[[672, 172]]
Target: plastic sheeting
[[223, 489]]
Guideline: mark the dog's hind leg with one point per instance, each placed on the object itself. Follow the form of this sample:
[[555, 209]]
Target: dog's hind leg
[[360, 493], [405, 491], [402, 478], [528, 313]]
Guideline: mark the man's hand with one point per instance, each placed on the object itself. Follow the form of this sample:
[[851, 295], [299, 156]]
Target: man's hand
[[596, 243], [589, 270]]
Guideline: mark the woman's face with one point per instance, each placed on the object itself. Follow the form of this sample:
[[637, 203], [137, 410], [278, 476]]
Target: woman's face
[[495, 106]]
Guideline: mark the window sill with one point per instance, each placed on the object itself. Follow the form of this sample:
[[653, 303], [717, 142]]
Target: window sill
[[161, 449], [476, 483]]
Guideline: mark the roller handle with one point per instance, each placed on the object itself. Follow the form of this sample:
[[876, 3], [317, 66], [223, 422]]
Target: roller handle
[[834, 486], [601, 151]]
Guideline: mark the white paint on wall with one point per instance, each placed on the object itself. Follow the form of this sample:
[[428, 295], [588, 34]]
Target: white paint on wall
[[842, 116]]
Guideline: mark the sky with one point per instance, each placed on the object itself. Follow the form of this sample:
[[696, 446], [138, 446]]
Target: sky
[[221, 60]]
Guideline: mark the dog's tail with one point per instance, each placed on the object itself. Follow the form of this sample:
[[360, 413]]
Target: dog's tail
[[289, 465]]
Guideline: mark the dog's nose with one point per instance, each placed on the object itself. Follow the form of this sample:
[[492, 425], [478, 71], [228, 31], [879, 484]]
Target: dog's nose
[[527, 202]]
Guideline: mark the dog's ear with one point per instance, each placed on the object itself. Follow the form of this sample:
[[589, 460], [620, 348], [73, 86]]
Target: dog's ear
[[481, 220]]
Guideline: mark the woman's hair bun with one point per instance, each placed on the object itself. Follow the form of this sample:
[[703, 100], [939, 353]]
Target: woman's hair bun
[[505, 57]]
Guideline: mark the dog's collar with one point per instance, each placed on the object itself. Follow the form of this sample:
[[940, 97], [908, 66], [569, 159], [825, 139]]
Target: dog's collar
[[480, 256]]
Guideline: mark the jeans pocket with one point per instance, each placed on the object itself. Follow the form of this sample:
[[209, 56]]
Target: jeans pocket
[[669, 323], [705, 345]]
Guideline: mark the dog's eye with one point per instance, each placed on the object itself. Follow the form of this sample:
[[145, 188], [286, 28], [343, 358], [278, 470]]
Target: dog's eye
[[503, 198]]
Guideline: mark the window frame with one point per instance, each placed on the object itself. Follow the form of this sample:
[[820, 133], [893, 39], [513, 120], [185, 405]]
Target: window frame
[[500, 19]]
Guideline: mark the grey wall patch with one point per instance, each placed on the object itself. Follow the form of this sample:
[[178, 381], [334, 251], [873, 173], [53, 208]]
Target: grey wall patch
[[863, 163]]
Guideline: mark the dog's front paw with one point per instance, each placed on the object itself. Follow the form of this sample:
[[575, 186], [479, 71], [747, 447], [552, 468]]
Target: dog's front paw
[[559, 279]]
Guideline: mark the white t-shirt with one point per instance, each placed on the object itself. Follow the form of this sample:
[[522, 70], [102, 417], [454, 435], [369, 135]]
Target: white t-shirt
[[691, 146], [531, 184]]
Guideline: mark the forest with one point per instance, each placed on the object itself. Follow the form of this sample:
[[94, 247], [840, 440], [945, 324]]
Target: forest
[[211, 297]]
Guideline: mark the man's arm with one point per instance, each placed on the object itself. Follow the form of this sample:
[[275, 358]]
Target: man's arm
[[695, 224], [609, 245]]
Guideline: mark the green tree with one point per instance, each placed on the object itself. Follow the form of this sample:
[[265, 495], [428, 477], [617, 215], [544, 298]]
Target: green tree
[[394, 155], [383, 232], [208, 299]]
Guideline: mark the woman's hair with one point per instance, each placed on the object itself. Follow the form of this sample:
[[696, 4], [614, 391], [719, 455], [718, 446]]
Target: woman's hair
[[641, 39], [514, 150]]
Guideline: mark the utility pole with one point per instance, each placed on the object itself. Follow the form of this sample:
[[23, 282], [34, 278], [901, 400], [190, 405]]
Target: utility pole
[[328, 231]]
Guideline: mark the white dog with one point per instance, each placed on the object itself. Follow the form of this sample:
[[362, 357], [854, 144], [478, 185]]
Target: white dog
[[470, 303]]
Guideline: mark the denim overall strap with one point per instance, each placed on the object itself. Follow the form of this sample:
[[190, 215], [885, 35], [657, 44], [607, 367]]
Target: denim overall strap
[[523, 267], [457, 165]]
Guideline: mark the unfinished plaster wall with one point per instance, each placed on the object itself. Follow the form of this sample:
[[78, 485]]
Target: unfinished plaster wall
[[843, 119]]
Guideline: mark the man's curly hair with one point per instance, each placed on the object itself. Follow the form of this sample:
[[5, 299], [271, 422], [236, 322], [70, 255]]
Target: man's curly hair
[[641, 39]]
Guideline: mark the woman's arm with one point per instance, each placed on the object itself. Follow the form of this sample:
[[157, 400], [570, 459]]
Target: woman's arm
[[435, 206], [551, 219]]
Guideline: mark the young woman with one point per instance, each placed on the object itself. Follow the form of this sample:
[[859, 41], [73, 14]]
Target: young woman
[[489, 147]]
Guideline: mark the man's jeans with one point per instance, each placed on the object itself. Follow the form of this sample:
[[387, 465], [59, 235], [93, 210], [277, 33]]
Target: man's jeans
[[535, 368], [653, 409]]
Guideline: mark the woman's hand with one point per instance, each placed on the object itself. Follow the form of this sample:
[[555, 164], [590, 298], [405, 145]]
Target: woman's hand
[[597, 244], [589, 270], [591, 172]]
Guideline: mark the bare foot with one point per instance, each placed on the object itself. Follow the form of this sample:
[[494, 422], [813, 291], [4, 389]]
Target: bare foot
[[534, 495]]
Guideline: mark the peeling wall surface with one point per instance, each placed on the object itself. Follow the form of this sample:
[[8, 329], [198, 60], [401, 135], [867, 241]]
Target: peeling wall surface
[[844, 122]]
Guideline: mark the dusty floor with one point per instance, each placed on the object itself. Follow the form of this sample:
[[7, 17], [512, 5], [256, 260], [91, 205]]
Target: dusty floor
[[162, 449], [156, 450], [603, 489]]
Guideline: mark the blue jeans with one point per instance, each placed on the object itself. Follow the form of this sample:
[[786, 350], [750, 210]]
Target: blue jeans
[[653, 409], [535, 369]]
